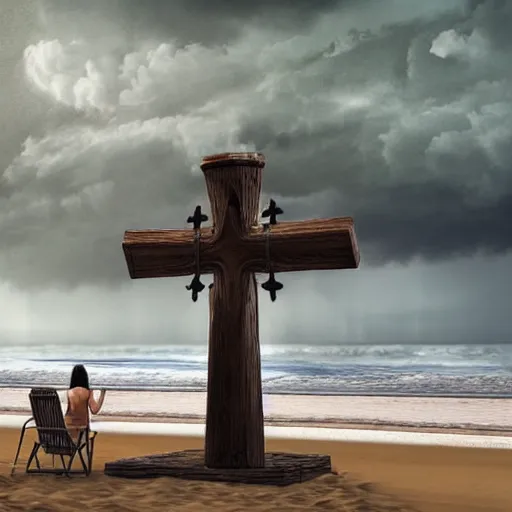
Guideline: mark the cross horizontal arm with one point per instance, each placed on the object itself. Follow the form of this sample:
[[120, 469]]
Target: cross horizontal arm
[[165, 252], [323, 244]]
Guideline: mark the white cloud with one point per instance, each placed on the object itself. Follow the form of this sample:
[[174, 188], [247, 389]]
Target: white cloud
[[451, 43], [80, 187], [159, 77], [71, 74]]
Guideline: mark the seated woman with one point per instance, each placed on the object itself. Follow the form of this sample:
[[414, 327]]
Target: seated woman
[[80, 401]]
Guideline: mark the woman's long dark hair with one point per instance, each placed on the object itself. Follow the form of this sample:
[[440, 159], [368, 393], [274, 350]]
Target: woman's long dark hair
[[79, 377]]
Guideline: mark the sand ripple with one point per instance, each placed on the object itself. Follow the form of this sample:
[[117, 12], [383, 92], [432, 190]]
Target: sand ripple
[[31, 493]]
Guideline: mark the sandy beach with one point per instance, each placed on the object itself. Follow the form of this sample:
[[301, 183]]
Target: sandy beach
[[370, 477]]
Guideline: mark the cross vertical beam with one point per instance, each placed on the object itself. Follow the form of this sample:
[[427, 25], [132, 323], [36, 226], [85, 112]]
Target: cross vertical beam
[[234, 411]]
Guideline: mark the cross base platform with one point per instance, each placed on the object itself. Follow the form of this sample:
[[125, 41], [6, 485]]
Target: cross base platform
[[280, 468]]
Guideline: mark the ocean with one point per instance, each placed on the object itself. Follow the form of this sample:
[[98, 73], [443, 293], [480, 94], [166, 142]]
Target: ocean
[[410, 370]]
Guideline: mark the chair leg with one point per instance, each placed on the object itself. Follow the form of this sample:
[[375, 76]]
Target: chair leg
[[22, 435], [62, 463], [33, 454], [85, 465], [70, 463], [90, 455]]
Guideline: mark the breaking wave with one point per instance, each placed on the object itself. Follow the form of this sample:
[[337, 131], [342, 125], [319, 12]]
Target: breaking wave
[[432, 370]]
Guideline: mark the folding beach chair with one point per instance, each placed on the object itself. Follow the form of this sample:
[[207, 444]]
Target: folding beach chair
[[54, 438]]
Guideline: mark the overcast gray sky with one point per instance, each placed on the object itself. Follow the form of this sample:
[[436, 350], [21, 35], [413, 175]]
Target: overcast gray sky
[[396, 112]]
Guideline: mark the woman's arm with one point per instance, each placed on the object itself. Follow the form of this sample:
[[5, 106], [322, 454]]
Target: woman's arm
[[68, 409], [95, 406]]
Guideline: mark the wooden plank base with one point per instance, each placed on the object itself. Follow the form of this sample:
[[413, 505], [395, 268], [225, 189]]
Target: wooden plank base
[[280, 468]]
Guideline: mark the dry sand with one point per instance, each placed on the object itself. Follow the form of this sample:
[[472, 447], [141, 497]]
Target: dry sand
[[372, 478]]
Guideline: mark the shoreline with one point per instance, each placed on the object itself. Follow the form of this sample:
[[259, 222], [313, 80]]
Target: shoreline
[[382, 426], [158, 389]]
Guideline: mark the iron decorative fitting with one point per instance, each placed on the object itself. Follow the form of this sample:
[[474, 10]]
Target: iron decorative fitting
[[272, 211], [196, 286], [198, 218], [271, 285]]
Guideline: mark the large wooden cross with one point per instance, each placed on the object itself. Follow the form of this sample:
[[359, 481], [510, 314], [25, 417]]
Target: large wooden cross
[[233, 249]]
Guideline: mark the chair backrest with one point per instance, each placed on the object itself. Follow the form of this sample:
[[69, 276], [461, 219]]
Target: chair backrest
[[51, 427]]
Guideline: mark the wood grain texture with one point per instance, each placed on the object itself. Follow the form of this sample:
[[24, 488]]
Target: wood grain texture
[[280, 469], [320, 244], [233, 249], [234, 412], [233, 159], [234, 435]]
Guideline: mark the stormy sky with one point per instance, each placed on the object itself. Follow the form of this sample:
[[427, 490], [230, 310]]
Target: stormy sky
[[395, 112]]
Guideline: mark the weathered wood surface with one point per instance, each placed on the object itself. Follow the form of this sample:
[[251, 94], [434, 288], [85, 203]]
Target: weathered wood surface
[[234, 408], [280, 468], [232, 160], [324, 244], [234, 436], [233, 249]]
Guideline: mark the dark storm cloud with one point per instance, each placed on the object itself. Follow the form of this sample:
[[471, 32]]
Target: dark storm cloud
[[427, 171], [493, 18], [450, 229], [187, 20], [400, 117]]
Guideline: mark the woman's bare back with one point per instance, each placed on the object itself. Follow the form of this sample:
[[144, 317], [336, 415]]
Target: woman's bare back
[[77, 413], [80, 402]]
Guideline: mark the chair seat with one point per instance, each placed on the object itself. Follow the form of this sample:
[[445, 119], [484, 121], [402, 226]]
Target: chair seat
[[53, 435]]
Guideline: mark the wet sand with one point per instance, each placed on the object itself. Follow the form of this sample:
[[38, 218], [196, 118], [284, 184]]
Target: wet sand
[[371, 477], [405, 412]]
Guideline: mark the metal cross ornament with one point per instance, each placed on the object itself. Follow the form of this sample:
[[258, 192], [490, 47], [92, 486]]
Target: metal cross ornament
[[271, 285], [196, 286], [271, 212], [197, 218]]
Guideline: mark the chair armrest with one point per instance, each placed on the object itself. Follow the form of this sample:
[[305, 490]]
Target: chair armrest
[[27, 422], [86, 433]]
